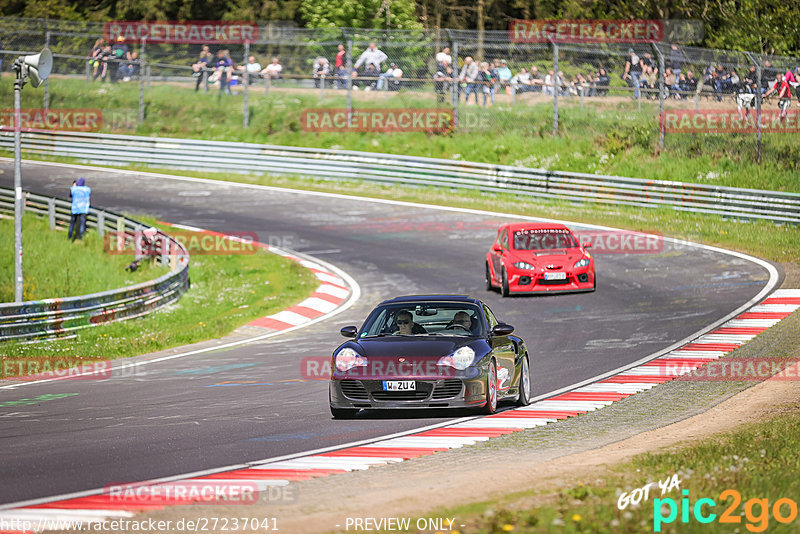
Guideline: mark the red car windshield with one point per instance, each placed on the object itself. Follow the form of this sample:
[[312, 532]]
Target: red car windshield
[[543, 239]]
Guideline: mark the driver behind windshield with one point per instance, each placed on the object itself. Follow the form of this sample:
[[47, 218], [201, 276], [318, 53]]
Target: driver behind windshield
[[406, 325], [462, 318]]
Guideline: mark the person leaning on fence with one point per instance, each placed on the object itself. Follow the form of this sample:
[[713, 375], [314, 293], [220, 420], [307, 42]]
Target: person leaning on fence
[[784, 91], [273, 70], [390, 78], [633, 71], [504, 77], [103, 57], [224, 71], [122, 55], [321, 69], [602, 81], [80, 195], [371, 56], [487, 80], [201, 65], [252, 68], [95, 56], [442, 57], [521, 81], [340, 66], [468, 77], [443, 81]]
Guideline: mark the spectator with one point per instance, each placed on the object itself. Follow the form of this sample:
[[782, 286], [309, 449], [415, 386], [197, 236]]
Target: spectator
[[121, 54], [633, 71], [690, 85], [647, 60], [443, 81], [791, 79], [750, 80], [671, 83], [521, 81], [201, 65], [252, 69], [536, 79], [273, 70], [80, 195], [784, 91], [322, 69], [340, 66], [676, 59], [371, 56], [487, 79], [468, 78], [370, 75], [443, 56], [103, 57], [562, 83], [549, 82], [127, 67], [392, 75], [648, 81], [224, 71], [768, 76], [95, 56], [602, 82], [133, 65], [504, 76]]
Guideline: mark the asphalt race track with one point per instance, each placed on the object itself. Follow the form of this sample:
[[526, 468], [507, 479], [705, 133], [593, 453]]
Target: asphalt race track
[[247, 403]]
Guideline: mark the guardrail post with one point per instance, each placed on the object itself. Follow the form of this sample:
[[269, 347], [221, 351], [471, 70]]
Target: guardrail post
[[101, 223], [51, 212]]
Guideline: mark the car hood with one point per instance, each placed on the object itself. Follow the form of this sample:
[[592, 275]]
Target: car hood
[[563, 258], [409, 356]]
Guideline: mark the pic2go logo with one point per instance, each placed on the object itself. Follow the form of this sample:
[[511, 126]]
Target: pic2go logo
[[757, 521]]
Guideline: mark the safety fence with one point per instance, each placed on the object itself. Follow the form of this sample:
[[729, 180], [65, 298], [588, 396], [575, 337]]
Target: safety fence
[[218, 156], [676, 91], [57, 317]]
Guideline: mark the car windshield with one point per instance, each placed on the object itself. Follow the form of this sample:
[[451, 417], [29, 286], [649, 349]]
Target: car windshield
[[424, 319], [543, 239]]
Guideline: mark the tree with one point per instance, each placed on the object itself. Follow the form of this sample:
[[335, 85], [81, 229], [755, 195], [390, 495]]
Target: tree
[[376, 14]]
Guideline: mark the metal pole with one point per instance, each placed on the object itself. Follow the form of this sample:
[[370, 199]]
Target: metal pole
[[141, 80], [349, 81], [47, 81], [454, 86], [661, 97], [556, 88], [759, 101], [18, 201], [246, 110], [322, 88]]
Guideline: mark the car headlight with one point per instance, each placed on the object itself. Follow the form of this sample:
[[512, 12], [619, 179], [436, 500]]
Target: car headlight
[[347, 358], [523, 265], [582, 263], [460, 359]]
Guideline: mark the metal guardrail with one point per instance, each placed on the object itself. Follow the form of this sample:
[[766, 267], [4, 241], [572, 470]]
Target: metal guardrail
[[43, 319], [191, 154]]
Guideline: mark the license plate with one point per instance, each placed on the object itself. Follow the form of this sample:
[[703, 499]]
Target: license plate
[[399, 385], [555, 276]]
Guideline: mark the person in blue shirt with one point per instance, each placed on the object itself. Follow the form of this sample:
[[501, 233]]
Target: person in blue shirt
[[79, 193]]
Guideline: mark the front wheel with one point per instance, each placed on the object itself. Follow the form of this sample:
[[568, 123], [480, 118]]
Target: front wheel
[[504, 286], [491, 390], [524, 398], [489, 285]]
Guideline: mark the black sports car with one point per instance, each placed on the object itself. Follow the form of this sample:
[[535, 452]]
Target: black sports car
[[429, 351]]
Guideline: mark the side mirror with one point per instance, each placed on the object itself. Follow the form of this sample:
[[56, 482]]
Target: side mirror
[[587, 245], [497, 248], [349, 331], [502, 329]]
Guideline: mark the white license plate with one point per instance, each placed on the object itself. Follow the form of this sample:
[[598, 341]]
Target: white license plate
[[399, 385], [555, 276]]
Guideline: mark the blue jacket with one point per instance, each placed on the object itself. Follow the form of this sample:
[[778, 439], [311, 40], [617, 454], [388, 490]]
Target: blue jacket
[[80, 198]]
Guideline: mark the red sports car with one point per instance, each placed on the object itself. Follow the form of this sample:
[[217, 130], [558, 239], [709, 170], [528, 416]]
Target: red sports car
[[538, 258]]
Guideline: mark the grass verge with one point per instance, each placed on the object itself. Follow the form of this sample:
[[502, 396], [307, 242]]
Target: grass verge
[[758, 461], [227, 291], [55, 266], [604, 136]]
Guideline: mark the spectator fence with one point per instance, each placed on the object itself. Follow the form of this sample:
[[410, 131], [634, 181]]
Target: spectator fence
[[584, 77]]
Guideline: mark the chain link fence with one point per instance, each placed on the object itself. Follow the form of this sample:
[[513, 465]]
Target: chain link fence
[[673, 98]]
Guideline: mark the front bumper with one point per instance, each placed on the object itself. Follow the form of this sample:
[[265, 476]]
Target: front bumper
[[576, 281], [430, 393]]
